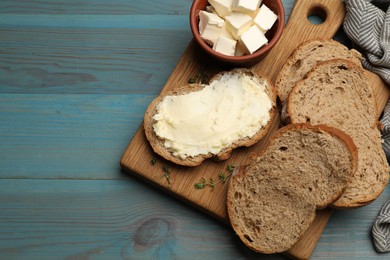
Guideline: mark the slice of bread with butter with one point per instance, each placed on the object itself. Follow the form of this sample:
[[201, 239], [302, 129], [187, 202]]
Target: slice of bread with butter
[[196, 122], [272, 201]]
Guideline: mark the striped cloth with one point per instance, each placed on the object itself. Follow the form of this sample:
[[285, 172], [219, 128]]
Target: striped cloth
[[381, 229], [385, 121], [369, 27], [367, 24]]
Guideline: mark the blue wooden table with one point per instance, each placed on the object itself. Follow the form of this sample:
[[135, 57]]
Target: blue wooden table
[[75, 80]]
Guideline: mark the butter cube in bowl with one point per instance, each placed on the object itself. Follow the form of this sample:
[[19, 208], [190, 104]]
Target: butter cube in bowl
[[237, 32]]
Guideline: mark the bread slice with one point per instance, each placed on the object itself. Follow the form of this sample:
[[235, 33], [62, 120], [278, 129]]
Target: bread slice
[[305, 57], [337, 93], [158, 144], [272, 201]]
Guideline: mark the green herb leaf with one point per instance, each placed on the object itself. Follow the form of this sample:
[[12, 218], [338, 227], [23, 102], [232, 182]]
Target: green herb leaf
[[167, 175], [153, 161], [166, 169], [230, 168], [222, 177], [192, 81], [200, 185], [212, 184]]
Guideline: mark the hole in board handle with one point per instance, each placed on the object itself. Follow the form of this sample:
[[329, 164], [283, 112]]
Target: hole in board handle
[[317, 15]]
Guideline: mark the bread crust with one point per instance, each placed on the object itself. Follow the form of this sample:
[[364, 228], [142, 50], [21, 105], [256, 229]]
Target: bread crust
[[241, 172], [157, 144]]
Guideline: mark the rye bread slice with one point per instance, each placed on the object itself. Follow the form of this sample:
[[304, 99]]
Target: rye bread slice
[[272, 201], [337, 93], [158, 144], [305, 57]]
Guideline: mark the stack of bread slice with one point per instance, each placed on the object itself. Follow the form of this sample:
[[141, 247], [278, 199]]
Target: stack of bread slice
[[270, 202], [337, 93], [332, 89]]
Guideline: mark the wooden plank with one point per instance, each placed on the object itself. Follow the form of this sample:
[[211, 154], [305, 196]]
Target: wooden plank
[[89, 60], [67, 136], [181, 184], [171, 22], [117, 7], [46, 219]]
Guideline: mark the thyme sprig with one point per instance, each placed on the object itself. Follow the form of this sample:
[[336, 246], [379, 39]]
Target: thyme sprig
[[166, 172], [167, 175], [230, 168], [153, 161], [200, 185], [222, 178]]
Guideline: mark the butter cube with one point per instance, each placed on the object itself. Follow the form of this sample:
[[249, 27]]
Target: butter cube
[[246, 6], [210, 26], [237, 23], [265, 18], [225, 33], [207, 18], [225, 46], [222, 7], [253, 39]]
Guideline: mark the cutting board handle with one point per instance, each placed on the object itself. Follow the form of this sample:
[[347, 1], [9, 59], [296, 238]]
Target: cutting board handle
[[299, 29], [332, 13]]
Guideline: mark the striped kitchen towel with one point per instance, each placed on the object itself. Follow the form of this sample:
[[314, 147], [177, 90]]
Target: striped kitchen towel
[[367, 24], [385, 121], [381, 229]]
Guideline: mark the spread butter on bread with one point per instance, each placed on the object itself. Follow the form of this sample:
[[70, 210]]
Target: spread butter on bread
[[273, 200], [196, 122]]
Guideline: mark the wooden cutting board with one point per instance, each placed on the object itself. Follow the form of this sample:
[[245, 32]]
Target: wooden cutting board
[[139, 159]]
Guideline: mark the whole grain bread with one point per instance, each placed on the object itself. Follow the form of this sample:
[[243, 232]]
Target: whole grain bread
[[272, 201], [337, 93], [158, 144], [305, 57]]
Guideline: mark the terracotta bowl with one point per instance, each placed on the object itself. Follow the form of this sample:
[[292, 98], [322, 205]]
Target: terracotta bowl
[[272, 35]]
